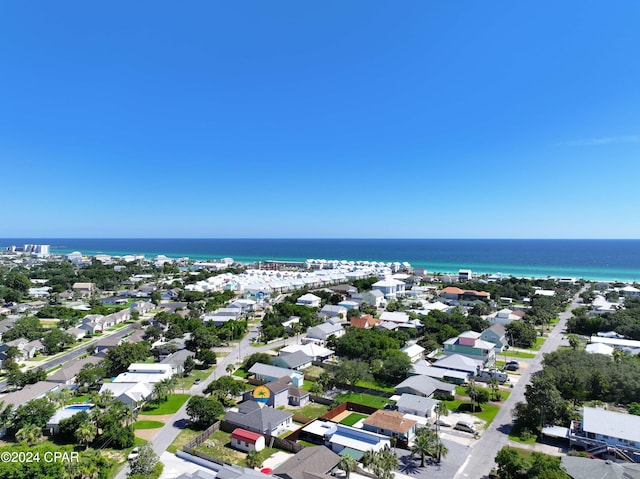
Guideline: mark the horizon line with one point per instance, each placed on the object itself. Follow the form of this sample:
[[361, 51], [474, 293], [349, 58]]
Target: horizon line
[[307, 238]]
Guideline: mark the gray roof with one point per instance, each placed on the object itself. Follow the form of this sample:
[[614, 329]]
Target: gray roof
[[458, 362], [418, 403], [294, 360], [610, 423], [178, 358], [71, 368], [425, 385], [323, 330], [256, 417], [279, 385], [272, 371], [587, 468], [316, 460], [29, 392]]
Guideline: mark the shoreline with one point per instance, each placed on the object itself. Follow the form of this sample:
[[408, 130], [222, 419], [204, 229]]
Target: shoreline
[[517, 271]]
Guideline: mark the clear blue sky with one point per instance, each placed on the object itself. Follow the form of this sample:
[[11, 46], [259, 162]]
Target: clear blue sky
[[423, 119]]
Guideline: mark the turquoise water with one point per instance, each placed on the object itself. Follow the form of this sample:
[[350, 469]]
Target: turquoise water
[[589, 259]]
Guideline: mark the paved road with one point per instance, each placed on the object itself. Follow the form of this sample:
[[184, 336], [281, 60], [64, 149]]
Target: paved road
[[481, 460], [170, 431], [52, 363]]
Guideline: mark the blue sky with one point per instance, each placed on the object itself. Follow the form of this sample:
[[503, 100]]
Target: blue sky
[[416, 119]]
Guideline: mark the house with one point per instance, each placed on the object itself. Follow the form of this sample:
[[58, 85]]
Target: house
[[107, 343], [69, 370], [364, 322], [469, 344], [344, 289], [133, 394], [246, 440], [84, 289], [268, 373], [602, 430], [245, 305], [394, 317], [497, 335], [392, 424], [424, 368], [314, 351], [29, 392], [599, 348], [389, 287], [142, 307], [176, 360], [279, 390], [413, 351], [374, 298], [333, 311], [77, 333], [503, 317], [630, 291], [298, 397], [465, 275], [457, 294], [310, 462], [349, 304], [458, 362], [309, 300], [257, 417], [425, 386], [296, 360], [417, 405], [53, 423], [588, 468], [145, 373], [319, 334], [340, 436]]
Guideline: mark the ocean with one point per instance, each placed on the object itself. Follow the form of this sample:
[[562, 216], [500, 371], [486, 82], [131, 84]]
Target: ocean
[[588, 259]]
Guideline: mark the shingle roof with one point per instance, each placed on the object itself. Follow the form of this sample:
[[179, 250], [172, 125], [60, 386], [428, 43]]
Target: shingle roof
[[315, 460], [255, 417], [390, 421]]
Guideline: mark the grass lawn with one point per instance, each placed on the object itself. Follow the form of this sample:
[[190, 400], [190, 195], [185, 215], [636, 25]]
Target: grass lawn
[[375, 385], [170, 406], [184, 437], [147, 424], [307, 385], [366, 399], [78, 399], [218, 446], [487, 414], [518, 354], [353, 418], [311, 410], [241, 373], [202, 374]]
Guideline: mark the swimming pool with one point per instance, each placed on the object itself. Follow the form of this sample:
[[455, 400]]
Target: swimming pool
[[80, 407]]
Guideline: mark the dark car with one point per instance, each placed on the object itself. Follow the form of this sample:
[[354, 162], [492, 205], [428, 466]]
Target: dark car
[[512, 366]]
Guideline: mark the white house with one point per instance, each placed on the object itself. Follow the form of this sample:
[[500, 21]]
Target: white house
[[390, 288], [319, 334], [309, 300], [414, 351]]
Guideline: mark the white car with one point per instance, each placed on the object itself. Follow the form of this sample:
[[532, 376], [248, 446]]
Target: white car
[[135, 452]]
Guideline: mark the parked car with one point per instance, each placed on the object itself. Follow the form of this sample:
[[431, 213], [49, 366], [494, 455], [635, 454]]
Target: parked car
[[442, 423], [465, 426], [135, 452], [512, 366]]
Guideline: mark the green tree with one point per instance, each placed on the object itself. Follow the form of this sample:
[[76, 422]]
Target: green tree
[[253, 459], [29, 434], [203, 412], [249, 361], [122, 356], [207, 357], [145, 463], [441, 410], [85, 434], [510, 463], [348, 464], [395, 368], [188, 365], [351, 371], [422, 445], [36, 412], [56, 340], [574, 342], [18, 282]]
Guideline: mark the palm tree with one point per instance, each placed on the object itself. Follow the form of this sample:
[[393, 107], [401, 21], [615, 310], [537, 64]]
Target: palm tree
[[441, 410], [348, 464], [65, 396], [159, 390], [439, 450], [422, 445], [29, 434], [230, 368], [85, 434], [252, 459], [106, 397]]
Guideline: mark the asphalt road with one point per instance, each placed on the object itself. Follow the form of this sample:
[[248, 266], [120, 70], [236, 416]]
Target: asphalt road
[[52, 363], [481, 459]]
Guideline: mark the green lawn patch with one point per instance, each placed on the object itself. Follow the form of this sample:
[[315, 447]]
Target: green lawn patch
[[201, 374], [375, 385], [353, 418], [366, 399], [78, 399], [241, 373], [311, 410], [487, 414], [170, 406], [148, 424], [519, 354], [182, 438]]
